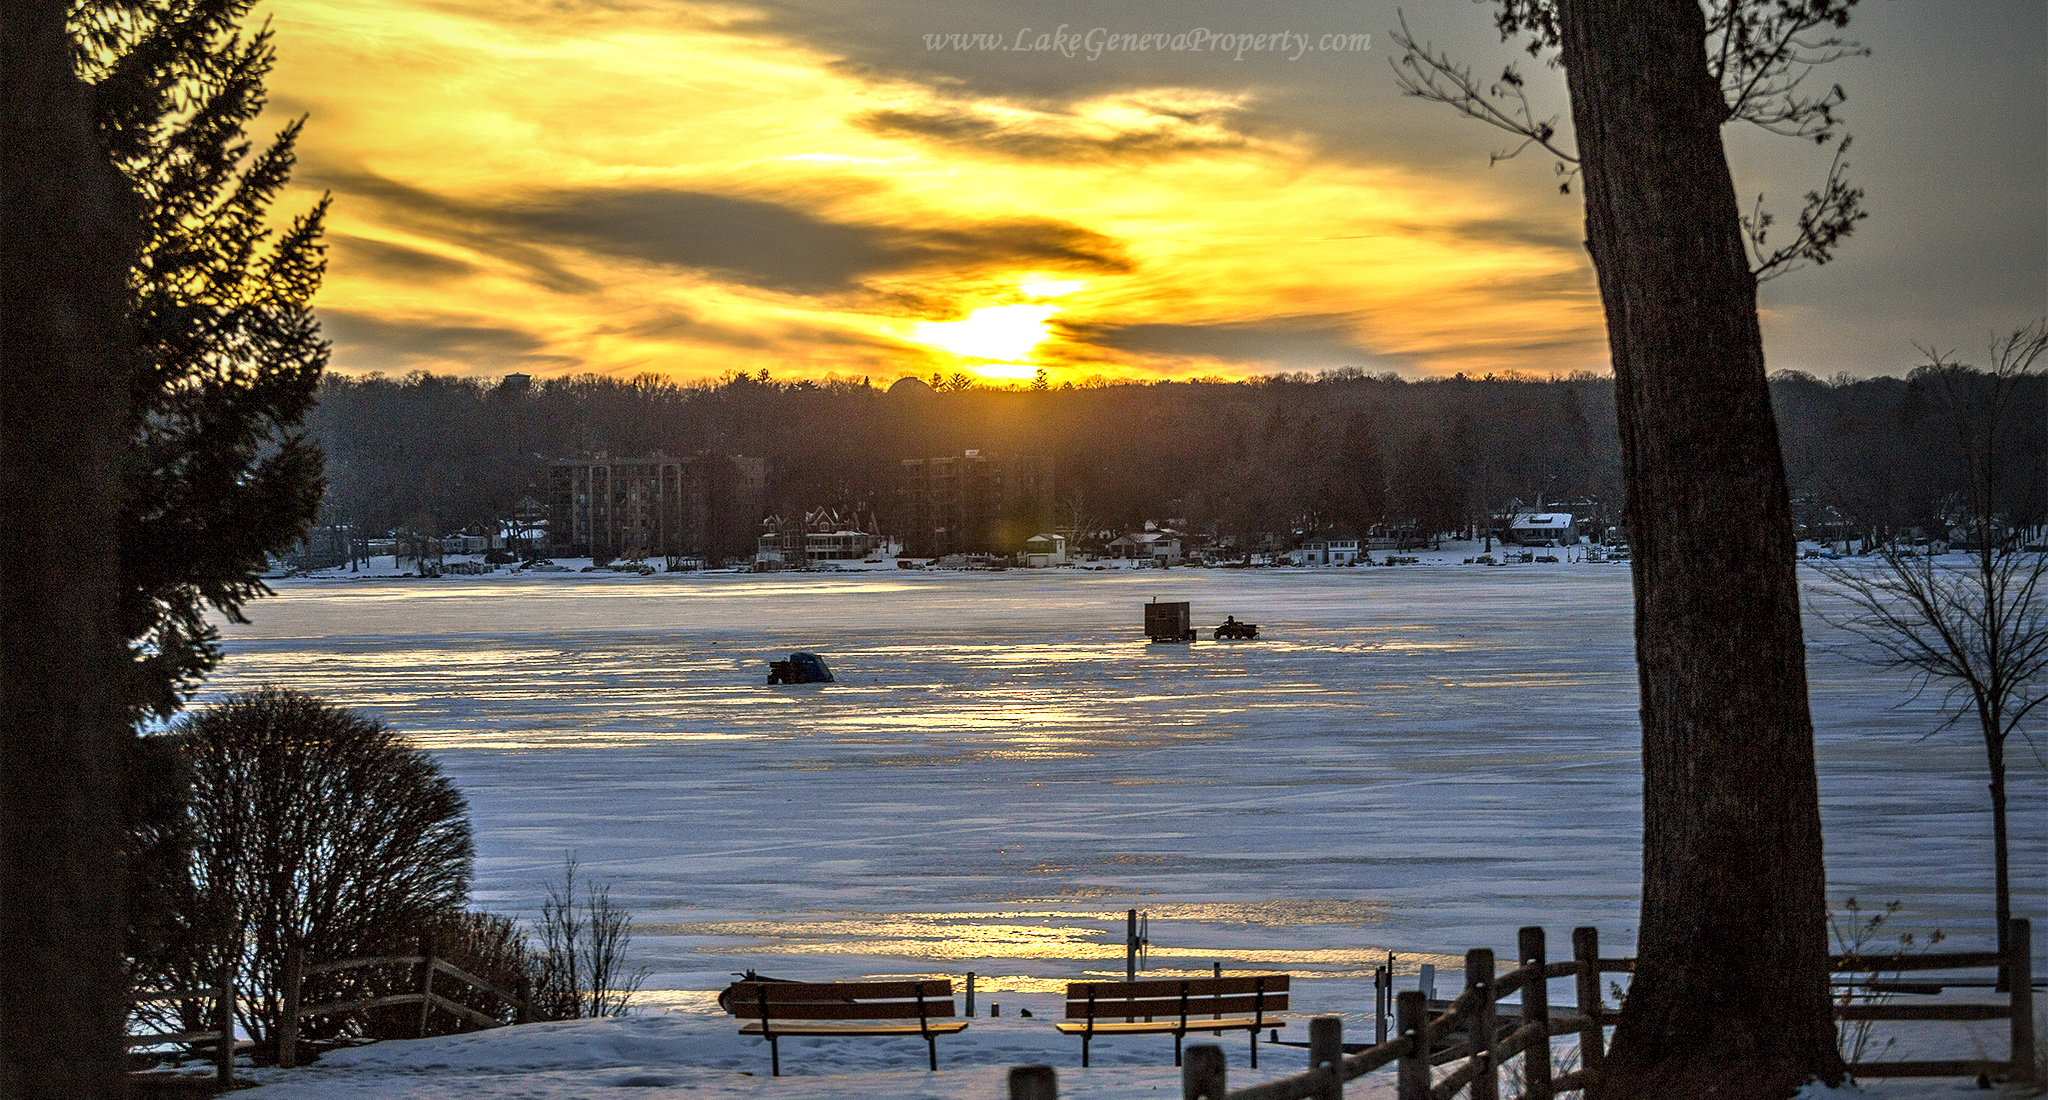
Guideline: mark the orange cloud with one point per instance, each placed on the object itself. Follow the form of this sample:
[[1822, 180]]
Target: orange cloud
[[634, 188]]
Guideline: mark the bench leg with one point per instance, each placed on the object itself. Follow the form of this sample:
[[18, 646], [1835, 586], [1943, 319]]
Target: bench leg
[[1084, 1050], [1176, 1048], [774, 1058], [932, 1043], [1255, 1048]]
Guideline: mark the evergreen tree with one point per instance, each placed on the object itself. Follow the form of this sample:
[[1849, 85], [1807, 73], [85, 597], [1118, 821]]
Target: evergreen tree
[[1428, 490], [1358, 485], [232, 355]]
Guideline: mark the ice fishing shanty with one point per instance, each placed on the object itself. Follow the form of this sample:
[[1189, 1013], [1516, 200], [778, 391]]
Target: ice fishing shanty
[[1169, 622], [801, 668]]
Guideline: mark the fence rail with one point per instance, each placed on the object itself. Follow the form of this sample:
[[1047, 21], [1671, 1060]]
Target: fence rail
[[2015, 967], [1475, 1017]]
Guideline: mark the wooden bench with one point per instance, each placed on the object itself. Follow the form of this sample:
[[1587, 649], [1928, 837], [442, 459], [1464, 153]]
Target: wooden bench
[[1175, 1006], [845, 1008]]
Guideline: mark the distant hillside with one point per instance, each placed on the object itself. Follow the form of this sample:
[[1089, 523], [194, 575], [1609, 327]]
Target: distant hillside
[[1293, 452]]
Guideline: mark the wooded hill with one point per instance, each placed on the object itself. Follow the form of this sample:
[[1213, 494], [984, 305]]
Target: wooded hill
[[437, 454]]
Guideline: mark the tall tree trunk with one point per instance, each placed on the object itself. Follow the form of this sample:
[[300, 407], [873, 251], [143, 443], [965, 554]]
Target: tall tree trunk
[[2001, 879], [1991, 704], [67, 240], [1730, 997]]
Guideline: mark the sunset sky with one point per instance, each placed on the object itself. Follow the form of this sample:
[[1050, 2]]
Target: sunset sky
[[804, 187]]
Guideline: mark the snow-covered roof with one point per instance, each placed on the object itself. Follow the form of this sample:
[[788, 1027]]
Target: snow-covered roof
[[1541, 521]]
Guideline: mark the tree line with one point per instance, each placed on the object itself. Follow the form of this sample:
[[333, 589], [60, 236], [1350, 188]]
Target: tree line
[[1342, 449]]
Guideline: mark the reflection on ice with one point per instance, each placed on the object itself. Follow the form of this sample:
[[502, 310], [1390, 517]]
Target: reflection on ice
[[1409, 760], [1191, 938]]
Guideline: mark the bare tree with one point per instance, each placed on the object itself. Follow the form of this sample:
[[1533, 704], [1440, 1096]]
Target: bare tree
[[1977, 632]]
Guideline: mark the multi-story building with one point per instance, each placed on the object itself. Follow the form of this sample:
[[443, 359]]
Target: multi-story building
[[975, 503], [704, 505]]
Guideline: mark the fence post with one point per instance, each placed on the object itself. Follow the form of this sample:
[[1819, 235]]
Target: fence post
[[1326, 1049], [2019, 967], [224, 1015], [1131, 946], [1201, 1073], [288, 1026], [1034, 1083], [1484, 1030], [1411, 1019], [970, 995], [1382, 990], [1535, 1010], [426, 981], [1592, 1035]]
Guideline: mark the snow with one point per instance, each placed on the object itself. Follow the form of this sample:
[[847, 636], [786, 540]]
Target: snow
[[1413, 760], [679, 1054]]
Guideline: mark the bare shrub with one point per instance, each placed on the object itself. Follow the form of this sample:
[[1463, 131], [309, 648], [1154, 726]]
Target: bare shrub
[[581, 968], [486, 945], [316, 824], [1858, 935]]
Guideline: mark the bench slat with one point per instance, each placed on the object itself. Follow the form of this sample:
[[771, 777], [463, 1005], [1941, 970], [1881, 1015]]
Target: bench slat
[[782, 1029], [1956, 1068], [799, 992], [1953, 960], [1168, 1027], [1170, 1006], [783, 1009], [1923, 1012], [844, 1010], [169, 1037], [1170, 987]]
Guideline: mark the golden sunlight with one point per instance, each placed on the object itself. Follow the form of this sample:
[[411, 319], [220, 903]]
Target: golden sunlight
[[723, 198], [1050, 288], [1003, 333]]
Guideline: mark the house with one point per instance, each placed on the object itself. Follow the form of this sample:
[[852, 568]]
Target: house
[[526, 532], [1152, 547], [1043, 551], [1542, 529], [1330, 549], [823, 535]]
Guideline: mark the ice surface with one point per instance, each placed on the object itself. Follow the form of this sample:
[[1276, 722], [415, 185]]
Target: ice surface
[[1416, 760]]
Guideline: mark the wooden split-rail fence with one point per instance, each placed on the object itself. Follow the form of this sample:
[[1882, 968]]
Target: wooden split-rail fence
[[222, 993], [1471, 1026], [221, 1036], [426, 967]]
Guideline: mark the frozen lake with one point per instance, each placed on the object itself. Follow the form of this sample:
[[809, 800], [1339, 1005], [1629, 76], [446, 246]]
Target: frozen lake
[[1416, 760]]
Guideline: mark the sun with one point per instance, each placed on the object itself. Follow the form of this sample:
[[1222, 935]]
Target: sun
[[1004, 334]]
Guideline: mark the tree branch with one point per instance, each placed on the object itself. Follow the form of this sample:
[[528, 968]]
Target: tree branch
[[1424, 73], [1830, 214]]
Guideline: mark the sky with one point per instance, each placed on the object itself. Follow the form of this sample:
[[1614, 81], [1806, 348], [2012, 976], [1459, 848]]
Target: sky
[[818, 188]]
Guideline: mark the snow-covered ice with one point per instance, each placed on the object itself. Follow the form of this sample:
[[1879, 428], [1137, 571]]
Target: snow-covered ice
[[1413, 760]]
